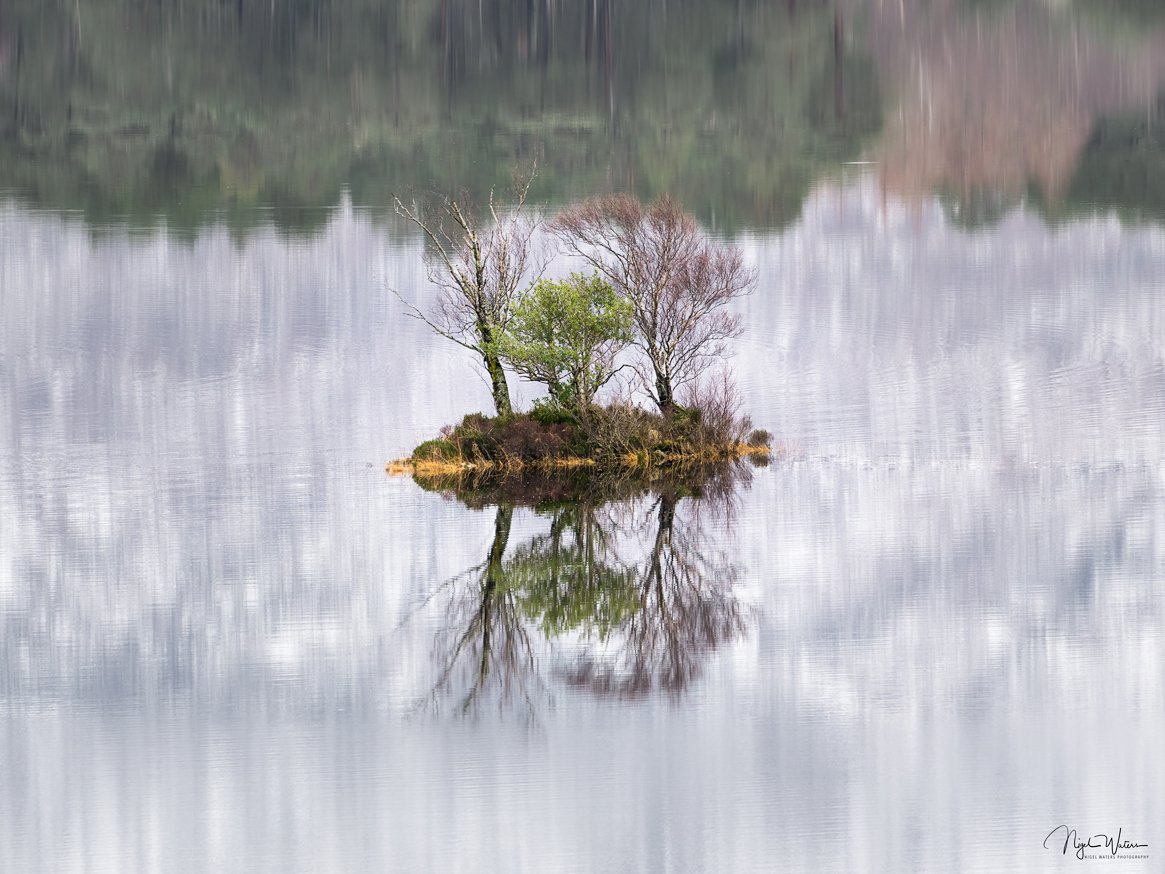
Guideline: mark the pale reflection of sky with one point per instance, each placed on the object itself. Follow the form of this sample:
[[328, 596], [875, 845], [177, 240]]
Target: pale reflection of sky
[[208, 644]]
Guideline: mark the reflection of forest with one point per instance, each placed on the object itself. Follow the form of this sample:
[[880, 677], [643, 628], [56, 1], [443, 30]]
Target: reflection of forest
[[991, 99], [199, 110], [187, 109], [647, 612]]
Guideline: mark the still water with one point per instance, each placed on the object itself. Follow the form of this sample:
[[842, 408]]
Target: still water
[[224, 627], [929, 633]]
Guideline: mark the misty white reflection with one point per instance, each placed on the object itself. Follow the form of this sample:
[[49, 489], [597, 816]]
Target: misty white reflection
[[950, 588]]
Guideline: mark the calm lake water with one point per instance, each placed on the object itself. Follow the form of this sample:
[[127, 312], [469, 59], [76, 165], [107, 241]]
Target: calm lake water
[[929, 633]]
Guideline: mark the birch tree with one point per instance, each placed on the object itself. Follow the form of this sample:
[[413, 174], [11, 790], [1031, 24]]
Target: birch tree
[[479, 268], [679, 282]]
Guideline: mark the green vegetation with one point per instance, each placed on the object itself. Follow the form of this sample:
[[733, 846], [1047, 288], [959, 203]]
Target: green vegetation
[[188, 112], [1122, 168], [567, 335], [567, 580], [614, 436]]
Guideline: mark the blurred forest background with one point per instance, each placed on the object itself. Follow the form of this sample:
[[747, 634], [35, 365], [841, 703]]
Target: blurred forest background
[[188, 112]]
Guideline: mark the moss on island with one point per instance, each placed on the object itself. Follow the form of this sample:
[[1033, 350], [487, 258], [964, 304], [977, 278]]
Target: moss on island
[[615, 437]]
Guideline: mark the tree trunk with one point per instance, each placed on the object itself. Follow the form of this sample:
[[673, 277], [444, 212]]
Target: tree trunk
[[502, 520], [663, 393], [667, 516], [663, 531], [493, 579], [498, 384], [559, 393]]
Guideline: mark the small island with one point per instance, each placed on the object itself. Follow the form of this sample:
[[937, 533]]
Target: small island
[[549, 439], [650, 317]]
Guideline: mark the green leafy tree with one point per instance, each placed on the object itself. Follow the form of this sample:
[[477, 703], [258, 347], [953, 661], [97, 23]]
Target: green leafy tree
[[567, 335]]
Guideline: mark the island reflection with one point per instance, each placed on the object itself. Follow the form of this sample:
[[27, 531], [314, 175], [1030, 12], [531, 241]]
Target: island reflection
[[624, 592]]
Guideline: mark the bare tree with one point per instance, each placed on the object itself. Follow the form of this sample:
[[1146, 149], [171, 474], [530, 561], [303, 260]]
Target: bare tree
[[678, 281], [478, 271]]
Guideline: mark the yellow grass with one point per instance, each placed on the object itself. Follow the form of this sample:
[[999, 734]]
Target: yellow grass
[[430, 469]]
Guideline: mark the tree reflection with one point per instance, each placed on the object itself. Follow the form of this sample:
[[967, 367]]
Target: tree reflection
[[634, 588], [484, 645], [571, 580], [684, 609]]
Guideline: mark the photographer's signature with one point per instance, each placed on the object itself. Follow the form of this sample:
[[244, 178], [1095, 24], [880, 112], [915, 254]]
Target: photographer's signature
[[1112, 845]]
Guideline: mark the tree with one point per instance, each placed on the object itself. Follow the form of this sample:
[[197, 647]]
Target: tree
[[567, 335], [678, 282], [483, 646], [682, 607], [570, 580], [479, 272]]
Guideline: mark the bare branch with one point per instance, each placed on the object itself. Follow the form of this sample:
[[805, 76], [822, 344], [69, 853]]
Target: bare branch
[[679, 282], [479, 272], [413, 312]]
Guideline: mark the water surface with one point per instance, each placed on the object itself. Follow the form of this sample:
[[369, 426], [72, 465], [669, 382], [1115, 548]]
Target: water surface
[[928, 633]]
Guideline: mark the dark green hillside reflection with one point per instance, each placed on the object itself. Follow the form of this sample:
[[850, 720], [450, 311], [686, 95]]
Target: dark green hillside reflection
[[1122, 169], [193, 111], [620, 597]]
